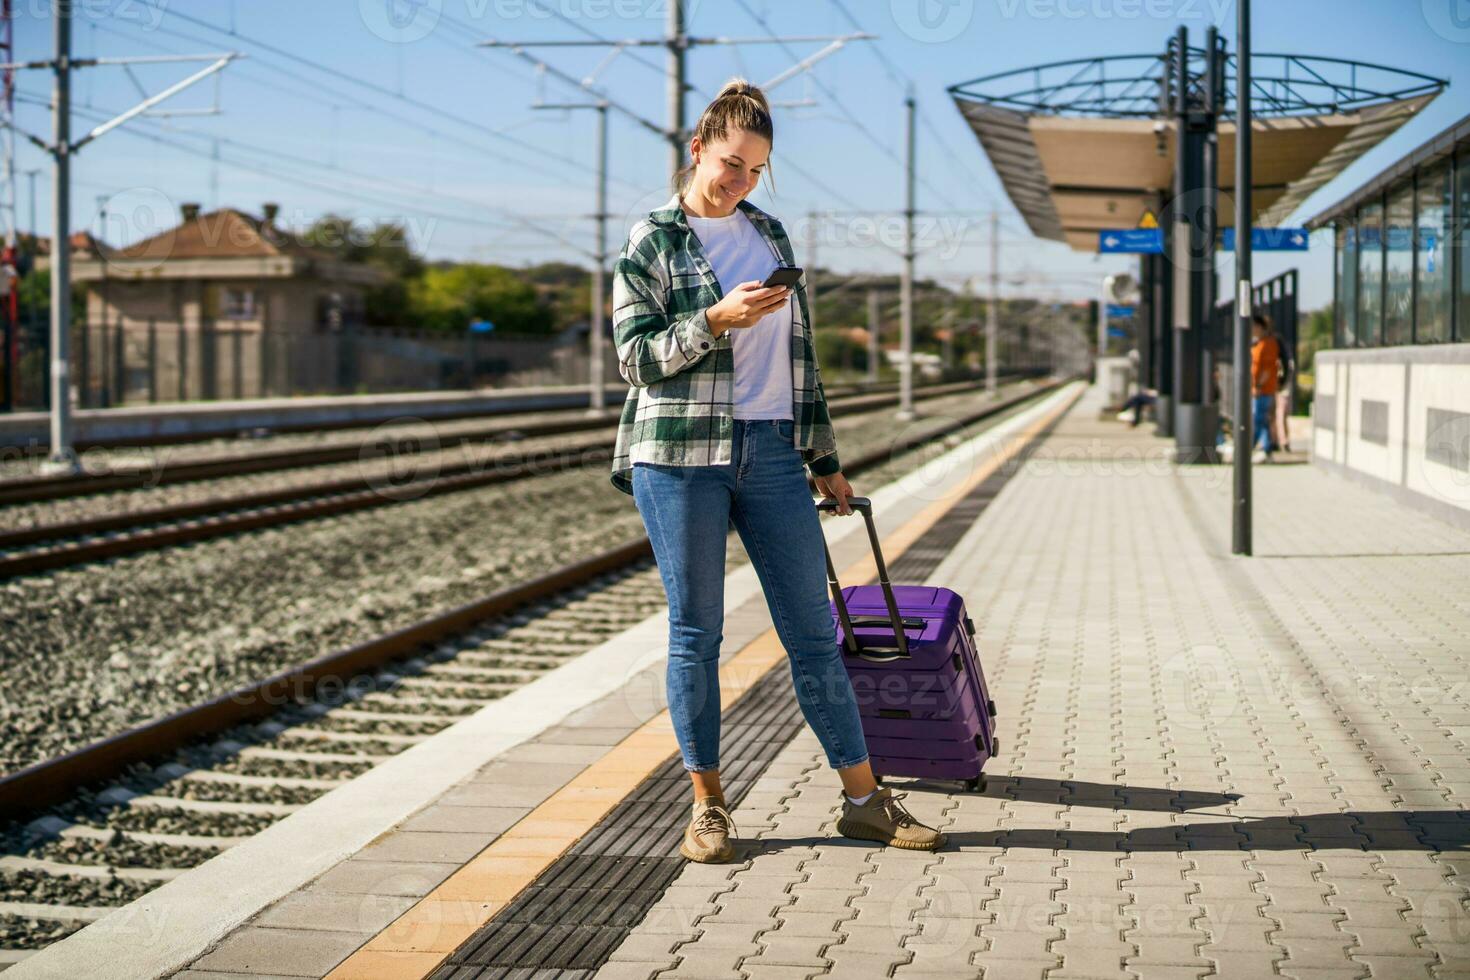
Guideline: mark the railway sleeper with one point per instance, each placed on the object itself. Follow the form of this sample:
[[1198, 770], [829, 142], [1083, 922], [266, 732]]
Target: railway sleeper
[[55, 913], [15, 862]]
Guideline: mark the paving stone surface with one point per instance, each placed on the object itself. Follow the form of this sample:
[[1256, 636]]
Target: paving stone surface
[[1209, 765]]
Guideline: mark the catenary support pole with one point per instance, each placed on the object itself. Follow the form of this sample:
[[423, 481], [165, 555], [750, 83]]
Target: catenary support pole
[[875, 349], [1244, 407], [814, 234], [597, 397], [906, 287], [992, 315], [63, 456], [677, 83]]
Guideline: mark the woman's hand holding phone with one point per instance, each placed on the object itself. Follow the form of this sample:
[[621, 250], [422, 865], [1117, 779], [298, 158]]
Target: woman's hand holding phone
[[744, 306]]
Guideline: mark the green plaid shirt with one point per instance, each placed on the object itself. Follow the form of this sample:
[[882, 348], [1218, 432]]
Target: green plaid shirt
[[680, 405]]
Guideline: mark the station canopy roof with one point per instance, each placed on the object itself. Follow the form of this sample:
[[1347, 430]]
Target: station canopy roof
[[1081, 146]]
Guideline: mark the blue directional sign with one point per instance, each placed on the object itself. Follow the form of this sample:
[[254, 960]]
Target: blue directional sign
[[1117, 311], [1270, 240], [1117, 332], [479, 325], [1132, 240]]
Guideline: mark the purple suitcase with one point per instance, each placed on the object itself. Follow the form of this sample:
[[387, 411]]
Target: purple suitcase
[[921, 693]]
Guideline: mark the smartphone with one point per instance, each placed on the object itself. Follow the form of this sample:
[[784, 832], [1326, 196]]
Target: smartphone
[[783, 275]]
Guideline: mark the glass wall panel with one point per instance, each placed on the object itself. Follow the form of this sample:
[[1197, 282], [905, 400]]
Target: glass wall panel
[[1398, 308], [1347, 282], [1370, 275], [1433, 279]]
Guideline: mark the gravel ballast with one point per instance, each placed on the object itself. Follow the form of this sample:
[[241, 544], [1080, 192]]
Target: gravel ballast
[[90, 651]]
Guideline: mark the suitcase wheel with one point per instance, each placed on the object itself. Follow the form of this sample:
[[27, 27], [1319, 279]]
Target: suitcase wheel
[[976, 785], [990, 706]]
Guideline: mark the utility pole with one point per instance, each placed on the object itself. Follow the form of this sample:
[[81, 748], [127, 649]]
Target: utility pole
[[992, 315], [1241, 531], [63, 458], [811, 273], [1195, 105], [61, 149], [946, 347], [875, 350], [10, 260], [678, 43], [596, 395], [596, 372], [906, 286]]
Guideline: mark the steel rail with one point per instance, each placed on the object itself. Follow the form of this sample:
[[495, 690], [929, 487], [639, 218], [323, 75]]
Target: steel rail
[[34, 489], [163, 527], [55, 780]]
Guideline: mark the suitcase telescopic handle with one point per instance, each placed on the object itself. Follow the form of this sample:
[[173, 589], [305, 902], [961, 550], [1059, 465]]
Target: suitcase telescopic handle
[[865, 507]]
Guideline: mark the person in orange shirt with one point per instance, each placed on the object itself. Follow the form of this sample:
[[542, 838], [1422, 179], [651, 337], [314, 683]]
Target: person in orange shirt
[[1265, 362]]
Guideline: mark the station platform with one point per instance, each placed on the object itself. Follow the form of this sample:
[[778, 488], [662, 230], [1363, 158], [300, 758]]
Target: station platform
[[30, 431], [1207, 766]]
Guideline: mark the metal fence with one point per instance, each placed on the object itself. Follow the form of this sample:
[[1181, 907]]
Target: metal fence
[[1277, 298], [150, 362]]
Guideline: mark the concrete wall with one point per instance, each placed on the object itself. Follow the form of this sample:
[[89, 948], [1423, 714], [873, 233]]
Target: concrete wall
[[1398, 418]]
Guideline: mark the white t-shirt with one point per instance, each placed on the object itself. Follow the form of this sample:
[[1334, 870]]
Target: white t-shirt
[[737, 253]]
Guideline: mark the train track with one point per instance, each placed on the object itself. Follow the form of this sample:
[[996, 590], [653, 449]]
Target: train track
[[31, 489], [98, 827], [26, 551], [568, 403]]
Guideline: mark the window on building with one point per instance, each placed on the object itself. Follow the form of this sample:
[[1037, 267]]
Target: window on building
[[1460, 248], [1398, 286], [1370, 275], [1347, 282], [1433, 278], [237, 304]]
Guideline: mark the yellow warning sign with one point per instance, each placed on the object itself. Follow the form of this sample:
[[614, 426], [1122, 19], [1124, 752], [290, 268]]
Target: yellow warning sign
[[1148, 220]]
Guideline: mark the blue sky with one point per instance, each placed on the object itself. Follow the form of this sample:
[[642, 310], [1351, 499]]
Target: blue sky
[[411, 122]]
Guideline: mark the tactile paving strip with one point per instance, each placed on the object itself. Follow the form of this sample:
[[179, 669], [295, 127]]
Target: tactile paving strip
[[566, 924]]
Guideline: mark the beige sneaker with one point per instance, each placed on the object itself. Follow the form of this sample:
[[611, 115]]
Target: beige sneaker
[[707, 839], [884, 819]]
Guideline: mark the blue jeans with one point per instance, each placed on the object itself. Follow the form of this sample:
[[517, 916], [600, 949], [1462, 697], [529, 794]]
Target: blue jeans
[[688, 511], [1264, 406]]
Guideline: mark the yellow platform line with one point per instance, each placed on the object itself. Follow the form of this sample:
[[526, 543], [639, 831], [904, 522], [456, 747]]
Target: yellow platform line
[[422, 938]]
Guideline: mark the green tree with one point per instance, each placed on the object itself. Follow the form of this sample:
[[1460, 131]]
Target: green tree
[[1315, 334], [448, 297], [34, 299], [384, 245]]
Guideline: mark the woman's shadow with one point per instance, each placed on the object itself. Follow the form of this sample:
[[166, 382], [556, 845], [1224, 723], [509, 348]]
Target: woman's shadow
[[1375, 830]]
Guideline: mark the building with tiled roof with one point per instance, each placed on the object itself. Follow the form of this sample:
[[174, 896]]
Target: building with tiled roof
[[219, 278]]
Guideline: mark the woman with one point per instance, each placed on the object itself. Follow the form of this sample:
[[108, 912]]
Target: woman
[[725, 406]]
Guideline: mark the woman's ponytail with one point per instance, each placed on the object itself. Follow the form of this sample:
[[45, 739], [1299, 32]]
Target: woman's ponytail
[[739, 107]]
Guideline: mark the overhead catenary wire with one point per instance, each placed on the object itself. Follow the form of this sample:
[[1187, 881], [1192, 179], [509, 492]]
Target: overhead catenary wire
[[417, 104], [511, 221], [356, 103]]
